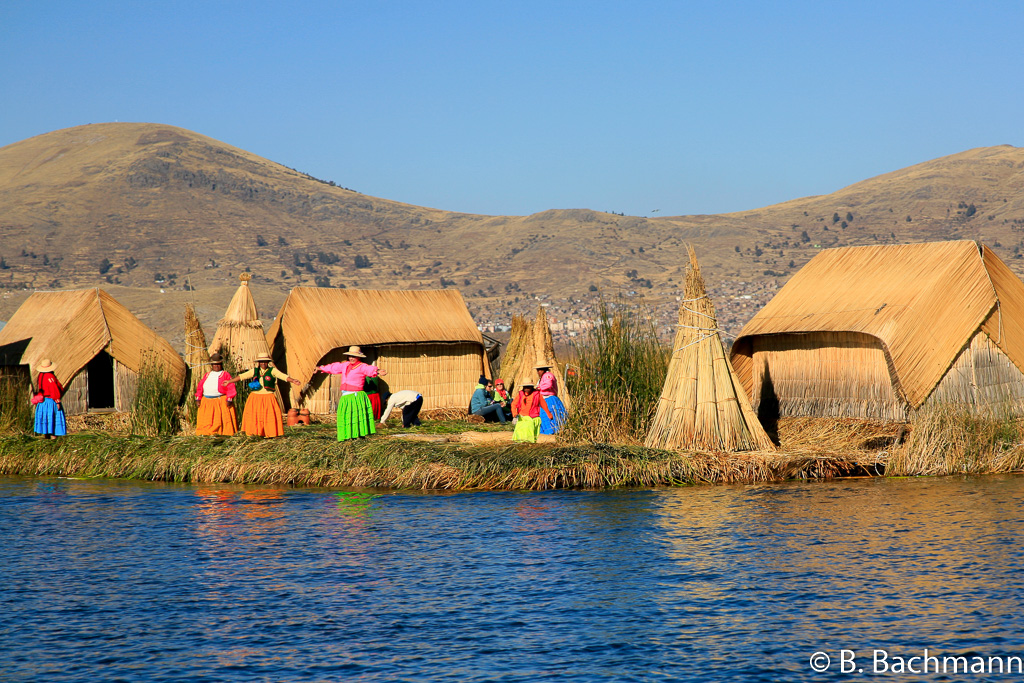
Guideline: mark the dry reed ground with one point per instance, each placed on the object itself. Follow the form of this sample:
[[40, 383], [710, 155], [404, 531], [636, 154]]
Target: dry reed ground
[[464, 458], [458, 455]]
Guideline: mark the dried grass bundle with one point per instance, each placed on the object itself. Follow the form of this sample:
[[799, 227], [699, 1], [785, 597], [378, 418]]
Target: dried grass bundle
[[240, 331], [703, 406]]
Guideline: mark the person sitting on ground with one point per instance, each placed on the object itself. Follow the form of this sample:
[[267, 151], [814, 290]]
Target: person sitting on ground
[[483, 404], [527, 409], [502, 396], [410, 402], [49, 419], [262, 416], [547, 387], [215, 394], [355, 414]]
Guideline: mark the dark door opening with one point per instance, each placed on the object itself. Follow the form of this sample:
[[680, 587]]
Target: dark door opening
[[101, 381]]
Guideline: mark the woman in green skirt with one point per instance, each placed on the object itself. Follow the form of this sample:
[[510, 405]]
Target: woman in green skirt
[[355, 414]]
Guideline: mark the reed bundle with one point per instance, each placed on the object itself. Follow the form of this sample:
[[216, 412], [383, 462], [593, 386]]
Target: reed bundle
[[240, 331], [619, 371], [703, 406], [531, 345]]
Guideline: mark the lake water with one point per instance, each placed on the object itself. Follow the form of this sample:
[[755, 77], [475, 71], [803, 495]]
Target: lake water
[[110, 580]]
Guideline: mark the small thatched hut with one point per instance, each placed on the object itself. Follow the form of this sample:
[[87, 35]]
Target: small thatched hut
[[99, 347], [702, 404], [240, 331], [426, 340], [877, 332]]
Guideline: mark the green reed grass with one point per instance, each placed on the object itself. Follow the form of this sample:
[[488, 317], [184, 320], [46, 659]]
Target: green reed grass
[[155, 410], [15, 409], [315, 458], [620, 371]]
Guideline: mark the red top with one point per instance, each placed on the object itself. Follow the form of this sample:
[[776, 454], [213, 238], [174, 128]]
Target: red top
[[49, 386], [529, 405]]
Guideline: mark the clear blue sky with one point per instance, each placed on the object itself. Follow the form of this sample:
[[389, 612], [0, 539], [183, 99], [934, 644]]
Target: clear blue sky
[[519, 107]]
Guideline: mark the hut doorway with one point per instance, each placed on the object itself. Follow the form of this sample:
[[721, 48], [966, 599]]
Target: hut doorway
[[101, 382]]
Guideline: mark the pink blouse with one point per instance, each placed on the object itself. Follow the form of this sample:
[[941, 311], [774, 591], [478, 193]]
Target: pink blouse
[[548, 385], [224, 385], [353, 375]]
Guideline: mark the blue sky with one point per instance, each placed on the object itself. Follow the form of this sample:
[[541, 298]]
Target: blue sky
[[519, 107]]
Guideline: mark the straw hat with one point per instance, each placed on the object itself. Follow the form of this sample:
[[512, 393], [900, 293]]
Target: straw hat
[[355, 351], [216, 358], [263, 357], [542, 366], [46, 365], [527, 382]]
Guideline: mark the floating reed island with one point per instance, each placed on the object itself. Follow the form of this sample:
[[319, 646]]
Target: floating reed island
[[840, 375]]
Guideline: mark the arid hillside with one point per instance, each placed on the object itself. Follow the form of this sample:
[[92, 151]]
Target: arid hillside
[[158, 215]]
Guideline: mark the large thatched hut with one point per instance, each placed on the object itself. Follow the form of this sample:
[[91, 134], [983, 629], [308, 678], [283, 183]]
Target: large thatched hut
[[426, 340], [240, 331], [880, 331], [98, 346]]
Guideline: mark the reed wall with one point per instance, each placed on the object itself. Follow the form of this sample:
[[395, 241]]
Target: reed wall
[[445, 374], [983, 378], [76, 394], [126, 384], [826, 374]]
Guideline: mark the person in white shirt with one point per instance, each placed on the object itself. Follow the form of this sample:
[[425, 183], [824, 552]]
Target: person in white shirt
[[410, 402]]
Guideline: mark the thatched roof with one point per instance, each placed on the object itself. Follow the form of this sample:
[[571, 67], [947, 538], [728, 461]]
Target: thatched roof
[[702, 404], [71, 327], [240, 331], [923, 302], [314, 320]]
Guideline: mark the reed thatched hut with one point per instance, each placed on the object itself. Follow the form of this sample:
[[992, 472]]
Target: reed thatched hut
[[426, 340], [99, 347], [881, 331], [240, 332], [702, 404]]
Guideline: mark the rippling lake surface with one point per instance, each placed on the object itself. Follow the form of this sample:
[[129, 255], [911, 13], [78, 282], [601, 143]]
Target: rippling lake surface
[[111, 580]]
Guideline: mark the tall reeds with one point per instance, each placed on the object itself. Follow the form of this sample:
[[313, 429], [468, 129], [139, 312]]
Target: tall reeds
[[15, 409], [155, 410], [234, 366], [958, 439], [617, 378]]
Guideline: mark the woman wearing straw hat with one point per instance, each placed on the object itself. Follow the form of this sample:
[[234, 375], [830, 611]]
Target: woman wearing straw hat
[[355, 414], [527, 409], [50, 420], [262, 416], [215, 394], [547, 387]]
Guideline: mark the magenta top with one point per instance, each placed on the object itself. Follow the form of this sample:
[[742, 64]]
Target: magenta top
[[548, 385], [224, 385], [353, 375]]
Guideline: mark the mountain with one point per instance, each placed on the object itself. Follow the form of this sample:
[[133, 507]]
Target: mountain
[[160, 215]]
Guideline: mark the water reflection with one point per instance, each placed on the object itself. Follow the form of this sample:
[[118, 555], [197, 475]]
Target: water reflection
[[729, 583]]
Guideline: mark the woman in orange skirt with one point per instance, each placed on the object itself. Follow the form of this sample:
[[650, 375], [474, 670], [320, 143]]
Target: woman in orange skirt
[[262, 416], [216, 394]]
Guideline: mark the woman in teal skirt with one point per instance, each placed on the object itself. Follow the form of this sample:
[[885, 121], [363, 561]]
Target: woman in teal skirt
[[355, 414]]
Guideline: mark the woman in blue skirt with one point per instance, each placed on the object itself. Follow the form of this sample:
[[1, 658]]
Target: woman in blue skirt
[[547, 387], [50, 420]]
